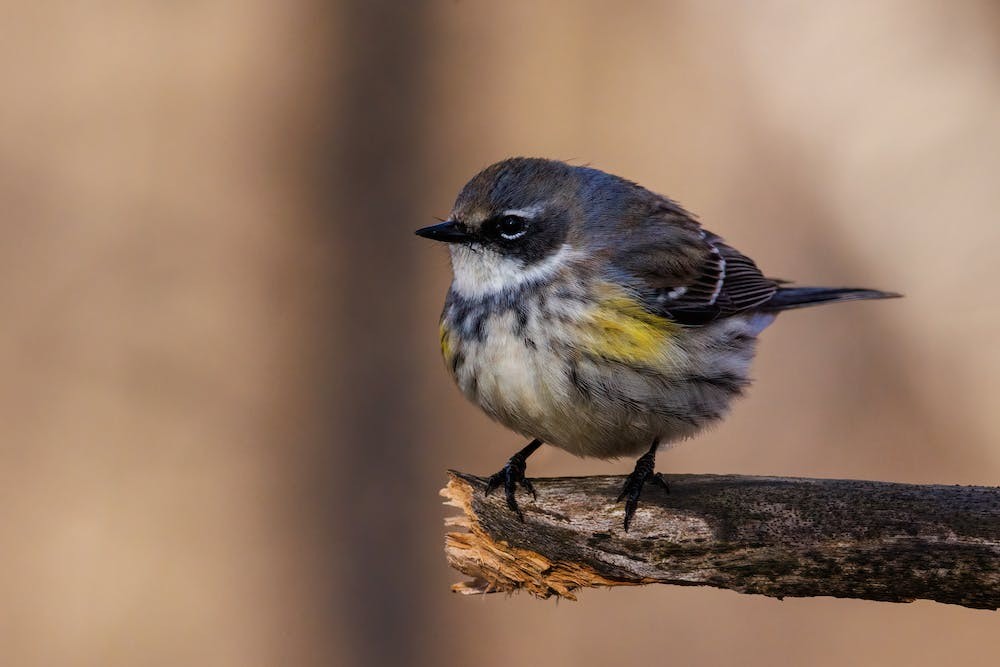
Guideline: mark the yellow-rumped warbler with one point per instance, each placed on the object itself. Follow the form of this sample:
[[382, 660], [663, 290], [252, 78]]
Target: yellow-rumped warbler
[[594, 315]]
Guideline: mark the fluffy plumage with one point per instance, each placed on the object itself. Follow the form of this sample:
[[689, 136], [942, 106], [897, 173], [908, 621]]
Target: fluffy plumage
[[597, 316]]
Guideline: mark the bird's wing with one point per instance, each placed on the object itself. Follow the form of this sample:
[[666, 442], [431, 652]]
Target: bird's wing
[[689, 274]]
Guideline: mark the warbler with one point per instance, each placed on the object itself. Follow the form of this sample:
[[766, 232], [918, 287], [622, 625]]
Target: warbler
[[589, 313]]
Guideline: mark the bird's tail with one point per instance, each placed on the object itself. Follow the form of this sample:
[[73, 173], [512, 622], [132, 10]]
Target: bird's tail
[[800, 297]]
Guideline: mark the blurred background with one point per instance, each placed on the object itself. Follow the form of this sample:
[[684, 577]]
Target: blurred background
[[224, 420]]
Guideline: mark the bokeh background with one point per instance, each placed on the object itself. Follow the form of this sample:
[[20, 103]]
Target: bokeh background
[[223, 418]]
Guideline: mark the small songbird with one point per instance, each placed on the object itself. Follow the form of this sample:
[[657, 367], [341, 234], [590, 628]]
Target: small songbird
[[594, 315]]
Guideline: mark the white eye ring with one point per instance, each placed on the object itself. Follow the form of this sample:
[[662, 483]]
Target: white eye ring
[[518, 223]]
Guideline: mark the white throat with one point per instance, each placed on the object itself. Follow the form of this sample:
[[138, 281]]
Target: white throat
[[480, 272]]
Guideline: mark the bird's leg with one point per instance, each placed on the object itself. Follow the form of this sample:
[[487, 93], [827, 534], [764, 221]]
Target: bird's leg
[[634, 482], [511, 474]]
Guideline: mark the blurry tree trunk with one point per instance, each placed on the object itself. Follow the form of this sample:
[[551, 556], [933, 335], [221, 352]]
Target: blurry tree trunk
[[376, 175], [766, 535]]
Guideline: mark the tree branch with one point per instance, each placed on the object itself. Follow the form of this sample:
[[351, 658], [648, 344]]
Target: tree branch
[[765, 535]]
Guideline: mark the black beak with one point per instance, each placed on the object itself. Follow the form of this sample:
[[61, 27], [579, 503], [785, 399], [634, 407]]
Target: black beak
[[448, 231]]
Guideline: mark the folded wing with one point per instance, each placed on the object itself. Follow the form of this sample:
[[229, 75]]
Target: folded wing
[[689, 274]]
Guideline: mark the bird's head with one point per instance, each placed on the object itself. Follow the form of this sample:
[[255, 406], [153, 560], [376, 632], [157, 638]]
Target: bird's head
[[518, 221]]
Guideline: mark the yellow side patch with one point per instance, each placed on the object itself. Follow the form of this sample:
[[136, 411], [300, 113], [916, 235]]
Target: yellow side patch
[[445, 343], [618, 327]]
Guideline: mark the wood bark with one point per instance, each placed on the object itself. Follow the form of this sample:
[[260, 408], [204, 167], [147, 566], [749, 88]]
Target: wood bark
[[771, 536]]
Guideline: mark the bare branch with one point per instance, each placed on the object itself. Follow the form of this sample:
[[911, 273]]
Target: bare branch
[[765, 535]]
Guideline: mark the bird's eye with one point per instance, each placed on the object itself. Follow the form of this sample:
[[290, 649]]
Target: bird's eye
[[511, 227]]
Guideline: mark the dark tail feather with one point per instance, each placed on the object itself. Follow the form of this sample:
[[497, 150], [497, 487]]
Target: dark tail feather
[[800, 297]]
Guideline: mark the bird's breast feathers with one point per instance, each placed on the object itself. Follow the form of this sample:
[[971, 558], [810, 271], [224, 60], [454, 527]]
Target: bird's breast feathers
[[587, 368]]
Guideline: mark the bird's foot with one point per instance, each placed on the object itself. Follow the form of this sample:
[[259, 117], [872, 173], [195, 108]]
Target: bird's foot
[[632, 488], [509, 476]]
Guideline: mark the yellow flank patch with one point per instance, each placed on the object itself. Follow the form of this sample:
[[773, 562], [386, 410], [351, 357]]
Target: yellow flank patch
[[618, 327], [445, 343]]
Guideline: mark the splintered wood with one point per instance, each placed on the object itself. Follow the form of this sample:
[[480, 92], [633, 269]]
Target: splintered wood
[[764, 535], [497, 566]]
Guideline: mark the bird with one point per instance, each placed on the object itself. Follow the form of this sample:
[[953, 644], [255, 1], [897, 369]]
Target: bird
[[591, 314]]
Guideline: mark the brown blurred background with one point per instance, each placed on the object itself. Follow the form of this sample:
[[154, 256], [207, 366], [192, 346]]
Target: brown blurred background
[[223, 419]]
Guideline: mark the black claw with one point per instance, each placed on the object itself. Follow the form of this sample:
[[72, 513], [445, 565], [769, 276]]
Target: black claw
[[659, 481], [630, 506], [510, 475], [526, 483], [493, 483], [512, 501], [632, 488], [631, 492]]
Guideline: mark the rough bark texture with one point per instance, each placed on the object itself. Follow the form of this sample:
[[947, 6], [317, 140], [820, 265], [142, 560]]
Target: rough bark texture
[[766, 535]]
